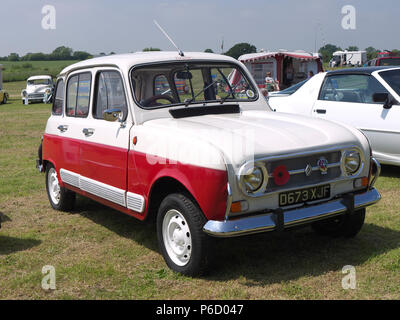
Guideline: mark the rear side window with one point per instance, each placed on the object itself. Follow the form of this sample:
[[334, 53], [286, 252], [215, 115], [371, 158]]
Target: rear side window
[[59, 98], [78, 95], [109, 93]]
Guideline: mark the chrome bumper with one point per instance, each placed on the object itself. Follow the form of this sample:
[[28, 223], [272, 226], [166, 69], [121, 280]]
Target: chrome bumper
[[283, 219]]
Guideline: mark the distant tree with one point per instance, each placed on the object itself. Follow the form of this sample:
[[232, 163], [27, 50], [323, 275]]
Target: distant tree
[[209, 51], [240, 48], [396, 52], [13, 57], [61, 53], [102, 54], [81, 55], [151, 49], [112, 52], [327, 51], [352, 48], [372, 53]]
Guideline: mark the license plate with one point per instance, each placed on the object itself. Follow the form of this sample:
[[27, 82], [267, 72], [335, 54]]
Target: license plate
[[304, 195]]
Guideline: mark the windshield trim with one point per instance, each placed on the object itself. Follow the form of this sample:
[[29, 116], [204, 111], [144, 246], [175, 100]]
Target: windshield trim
[[194, 61]]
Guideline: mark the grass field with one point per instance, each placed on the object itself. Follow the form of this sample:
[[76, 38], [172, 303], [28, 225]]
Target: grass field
[[99, 253], [22, 70]]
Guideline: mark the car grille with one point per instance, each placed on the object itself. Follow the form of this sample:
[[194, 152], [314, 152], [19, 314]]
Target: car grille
[[36, 96], [297, 170]]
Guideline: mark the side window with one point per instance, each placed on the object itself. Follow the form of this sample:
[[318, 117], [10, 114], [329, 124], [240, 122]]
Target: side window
[[110, 94], [72, 93], [59, 98], [78, 95], [356, 88]]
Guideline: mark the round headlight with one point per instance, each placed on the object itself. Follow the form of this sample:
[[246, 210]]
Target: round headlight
[[253, 179], [351, 162]]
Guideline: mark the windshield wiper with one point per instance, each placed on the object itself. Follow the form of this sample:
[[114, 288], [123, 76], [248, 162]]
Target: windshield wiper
[[231, 93], [188, 101]]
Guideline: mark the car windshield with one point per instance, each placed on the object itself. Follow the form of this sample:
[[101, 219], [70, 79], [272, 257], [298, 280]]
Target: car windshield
[[164, 85], [392, 77], [292, 89], [39, 81]]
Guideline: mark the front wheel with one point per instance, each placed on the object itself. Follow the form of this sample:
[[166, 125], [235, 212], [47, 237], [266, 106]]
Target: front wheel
[[59, 197], [4, 99], [185, 247], [347, 225]]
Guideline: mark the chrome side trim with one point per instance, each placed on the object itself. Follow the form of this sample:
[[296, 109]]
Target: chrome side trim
[[103, 190], [294, 217], [70, 177], [94, 187], [135, 202]]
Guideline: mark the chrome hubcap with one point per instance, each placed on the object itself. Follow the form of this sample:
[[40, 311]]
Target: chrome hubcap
[[177, 237], [53, 186]]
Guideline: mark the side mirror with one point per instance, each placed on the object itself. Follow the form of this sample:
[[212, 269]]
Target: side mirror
[[380, 97], [112, 114], [386, 98]]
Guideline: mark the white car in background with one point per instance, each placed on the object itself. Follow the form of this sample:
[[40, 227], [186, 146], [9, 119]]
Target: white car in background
[[365, 98], [38, 89]]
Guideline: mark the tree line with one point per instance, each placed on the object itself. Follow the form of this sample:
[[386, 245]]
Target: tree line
[[60, 53]]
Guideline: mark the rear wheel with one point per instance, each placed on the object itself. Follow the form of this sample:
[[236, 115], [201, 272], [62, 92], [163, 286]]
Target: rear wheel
[[59, 197], [185, 247], [4, 99], [347, 225]]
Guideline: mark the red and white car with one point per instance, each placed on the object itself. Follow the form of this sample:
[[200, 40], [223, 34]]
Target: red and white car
[[207, 163]]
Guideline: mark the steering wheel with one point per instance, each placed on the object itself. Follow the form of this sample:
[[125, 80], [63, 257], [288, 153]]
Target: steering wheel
[[152, 101]]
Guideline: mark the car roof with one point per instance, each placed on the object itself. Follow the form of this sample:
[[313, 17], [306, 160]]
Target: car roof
[[39, 77], [126, 61], [363, 70]]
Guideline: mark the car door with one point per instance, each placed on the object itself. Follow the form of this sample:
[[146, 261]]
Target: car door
[[348, 98], [104, 145], [69, 126]]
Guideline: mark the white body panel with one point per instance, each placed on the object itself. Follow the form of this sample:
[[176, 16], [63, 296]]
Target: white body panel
[[380, 125]]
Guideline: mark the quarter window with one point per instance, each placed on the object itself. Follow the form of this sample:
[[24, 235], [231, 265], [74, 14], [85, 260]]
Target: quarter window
[[78, 95], [110, 94], [59, 98]]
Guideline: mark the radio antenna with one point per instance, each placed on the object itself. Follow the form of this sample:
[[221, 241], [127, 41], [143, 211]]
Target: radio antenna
[[169, 38]]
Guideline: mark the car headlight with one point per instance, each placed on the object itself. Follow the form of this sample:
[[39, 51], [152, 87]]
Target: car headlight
[[351, 162], [251, 179]]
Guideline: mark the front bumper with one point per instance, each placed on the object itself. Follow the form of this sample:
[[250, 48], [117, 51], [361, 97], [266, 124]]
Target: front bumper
[[281, 219]]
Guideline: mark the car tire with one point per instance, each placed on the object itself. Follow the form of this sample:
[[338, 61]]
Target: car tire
[[4, 99], [184, 245], [59, 197], [347, 225]]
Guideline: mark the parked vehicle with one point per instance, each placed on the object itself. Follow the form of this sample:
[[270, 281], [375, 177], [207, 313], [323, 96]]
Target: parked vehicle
[[38, 89], [3, 94], [384, 61], [213, 162], [287, 68], [366, 98], [348, 58]]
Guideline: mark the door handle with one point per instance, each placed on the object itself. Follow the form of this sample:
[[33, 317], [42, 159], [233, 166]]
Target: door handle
[[62, 127], [323, 111], [88, 131]]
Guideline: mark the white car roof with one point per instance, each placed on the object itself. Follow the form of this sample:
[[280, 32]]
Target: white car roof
[[39, 78], [126, 61]]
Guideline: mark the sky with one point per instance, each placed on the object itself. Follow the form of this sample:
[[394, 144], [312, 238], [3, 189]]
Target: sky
[[127, 25]]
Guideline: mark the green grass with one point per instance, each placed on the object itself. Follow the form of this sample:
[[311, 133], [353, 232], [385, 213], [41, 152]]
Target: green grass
[[99, 253], [21, 70]]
